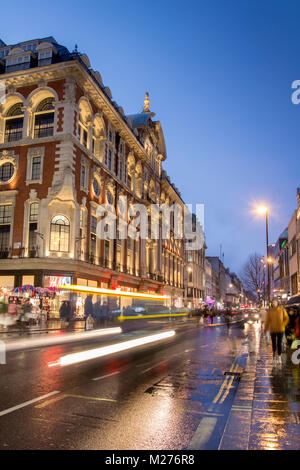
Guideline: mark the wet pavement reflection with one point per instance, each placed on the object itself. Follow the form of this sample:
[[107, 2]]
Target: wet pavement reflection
[[275, 420], [210, 387]]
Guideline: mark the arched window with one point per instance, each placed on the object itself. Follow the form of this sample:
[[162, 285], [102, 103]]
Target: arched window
[[84, 120], [109, 197], [60, 233], [44, 118], [14, 123], [96, 187]]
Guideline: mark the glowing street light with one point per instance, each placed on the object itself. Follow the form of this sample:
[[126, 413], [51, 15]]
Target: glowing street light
[[262, 210]]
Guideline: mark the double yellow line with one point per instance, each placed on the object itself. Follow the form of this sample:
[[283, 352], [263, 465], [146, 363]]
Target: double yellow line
[[226, 385]]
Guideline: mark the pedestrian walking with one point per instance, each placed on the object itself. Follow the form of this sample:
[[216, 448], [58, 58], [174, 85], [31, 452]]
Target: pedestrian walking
[[276, 321], [65, 310], [228, 317], [262, 316]]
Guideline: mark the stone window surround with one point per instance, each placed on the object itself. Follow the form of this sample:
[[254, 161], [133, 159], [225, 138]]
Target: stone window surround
[[29, 113], [9, 197], [32, 199], [85, 162], [34, 152], [8, 156]]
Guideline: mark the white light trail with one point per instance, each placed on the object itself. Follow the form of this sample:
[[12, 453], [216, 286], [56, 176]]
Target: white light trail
[[113, 348], [59, 339]]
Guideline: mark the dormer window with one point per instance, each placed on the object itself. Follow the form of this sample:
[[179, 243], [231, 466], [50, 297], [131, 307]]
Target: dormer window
[[46, 52], [4, 53], [30, 47], [45, 58], [17, 62]]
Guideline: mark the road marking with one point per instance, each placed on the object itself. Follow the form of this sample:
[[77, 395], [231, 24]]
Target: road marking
[[221, 389], [227, 390], [196, 412], [107, 375], [26, 403], [224, 384], [229, 384], [91, 398], [203, 433], [53, 400], [240, 408], [153, 367], [68, 395]]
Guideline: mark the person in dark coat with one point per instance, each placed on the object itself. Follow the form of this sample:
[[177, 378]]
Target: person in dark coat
[[88, 306], [97, 308], [65, 310]]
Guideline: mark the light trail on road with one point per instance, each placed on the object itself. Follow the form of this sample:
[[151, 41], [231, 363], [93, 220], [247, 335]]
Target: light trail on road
[[59, 339], [113, 348]]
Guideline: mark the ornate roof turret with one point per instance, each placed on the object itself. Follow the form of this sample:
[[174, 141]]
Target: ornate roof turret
[[146, 104]]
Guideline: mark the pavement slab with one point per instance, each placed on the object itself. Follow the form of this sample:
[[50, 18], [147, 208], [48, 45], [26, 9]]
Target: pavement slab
[[265, 412]]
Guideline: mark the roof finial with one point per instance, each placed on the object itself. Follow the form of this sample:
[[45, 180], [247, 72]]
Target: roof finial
[[146, 103]]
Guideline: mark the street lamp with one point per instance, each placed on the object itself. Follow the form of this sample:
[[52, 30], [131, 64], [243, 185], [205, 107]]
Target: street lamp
[[264, 210]]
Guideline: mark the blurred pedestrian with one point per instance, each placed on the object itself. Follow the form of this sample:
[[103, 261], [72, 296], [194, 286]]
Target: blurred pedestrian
[[276, 321], [262, 316], [88, 306], [65, 310], [228, 317]]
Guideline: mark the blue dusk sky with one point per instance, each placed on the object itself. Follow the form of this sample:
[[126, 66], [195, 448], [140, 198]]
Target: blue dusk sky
[[219, 74]]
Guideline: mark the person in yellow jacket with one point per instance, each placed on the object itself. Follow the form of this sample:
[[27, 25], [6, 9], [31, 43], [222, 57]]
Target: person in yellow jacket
[[276, 321]]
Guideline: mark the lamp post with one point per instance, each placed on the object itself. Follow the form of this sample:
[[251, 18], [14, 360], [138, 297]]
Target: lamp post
[[264, 278], [264, 210]]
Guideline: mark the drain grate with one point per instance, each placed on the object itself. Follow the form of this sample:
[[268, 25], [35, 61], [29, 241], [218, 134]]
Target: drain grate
[[236, 375]]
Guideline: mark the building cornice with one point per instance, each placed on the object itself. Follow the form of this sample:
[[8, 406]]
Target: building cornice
[[62, 70]]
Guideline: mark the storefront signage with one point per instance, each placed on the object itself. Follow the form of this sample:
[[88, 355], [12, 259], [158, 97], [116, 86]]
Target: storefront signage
[[57, 281]]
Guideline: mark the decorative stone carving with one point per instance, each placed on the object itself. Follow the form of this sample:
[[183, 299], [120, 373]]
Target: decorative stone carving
[[8, 156], [32, 194], [70, 90]]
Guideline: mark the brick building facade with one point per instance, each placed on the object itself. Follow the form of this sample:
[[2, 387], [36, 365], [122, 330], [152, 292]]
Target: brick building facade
[[65, 148]]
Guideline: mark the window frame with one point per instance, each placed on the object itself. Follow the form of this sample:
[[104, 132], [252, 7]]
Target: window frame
[[33, 153], [11, 177], [52, 224]]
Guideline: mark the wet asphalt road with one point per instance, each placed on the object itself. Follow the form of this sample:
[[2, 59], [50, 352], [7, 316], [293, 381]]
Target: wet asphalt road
[[175, 394]]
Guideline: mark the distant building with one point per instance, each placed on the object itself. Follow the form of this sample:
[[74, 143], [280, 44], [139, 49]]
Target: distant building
[[218, 279], [234, 290], [195, 272], [280, 266], [208, 280]]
